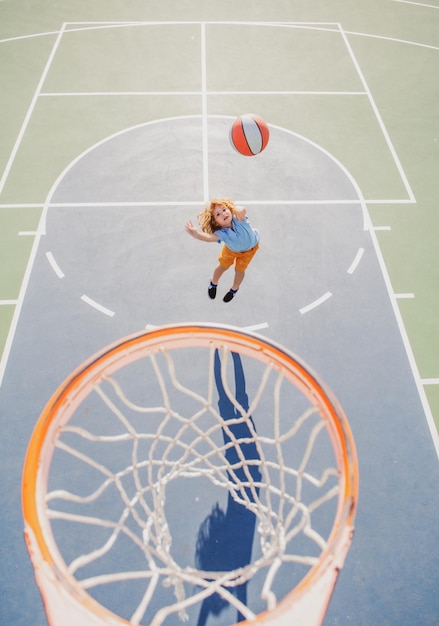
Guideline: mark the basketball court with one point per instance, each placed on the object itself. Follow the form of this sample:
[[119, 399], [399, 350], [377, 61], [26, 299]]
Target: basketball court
[[123, 136]]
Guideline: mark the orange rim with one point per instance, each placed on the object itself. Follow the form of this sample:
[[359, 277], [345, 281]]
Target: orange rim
[[77, 386]]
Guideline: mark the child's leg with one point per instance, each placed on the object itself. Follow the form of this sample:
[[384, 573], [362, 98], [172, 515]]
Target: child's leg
[[217, 273], [242, 261], [239, 277]]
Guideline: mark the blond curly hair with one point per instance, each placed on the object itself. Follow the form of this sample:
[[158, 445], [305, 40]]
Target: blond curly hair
[[206, 218]]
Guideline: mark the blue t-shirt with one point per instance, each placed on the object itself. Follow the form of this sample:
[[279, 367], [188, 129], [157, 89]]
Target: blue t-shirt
[[240, 237]]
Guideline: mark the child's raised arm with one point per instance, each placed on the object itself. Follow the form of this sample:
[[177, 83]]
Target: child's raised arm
[[197, 234]]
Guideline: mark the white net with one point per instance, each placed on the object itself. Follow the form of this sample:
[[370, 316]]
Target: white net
[[168, 504]]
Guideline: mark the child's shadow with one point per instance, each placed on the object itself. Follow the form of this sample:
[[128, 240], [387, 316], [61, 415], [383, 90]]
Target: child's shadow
[[225, 540]]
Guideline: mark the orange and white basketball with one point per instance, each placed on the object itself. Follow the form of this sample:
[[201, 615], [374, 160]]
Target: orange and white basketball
[[249, 134]]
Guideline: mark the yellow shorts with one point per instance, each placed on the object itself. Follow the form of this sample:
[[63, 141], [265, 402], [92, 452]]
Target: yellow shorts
[[227, 257]]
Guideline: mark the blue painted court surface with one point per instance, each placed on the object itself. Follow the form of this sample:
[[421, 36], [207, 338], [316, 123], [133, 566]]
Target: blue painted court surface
[[125, 160]]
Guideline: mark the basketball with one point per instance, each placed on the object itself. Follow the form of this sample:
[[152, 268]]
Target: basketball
[[249, 134]]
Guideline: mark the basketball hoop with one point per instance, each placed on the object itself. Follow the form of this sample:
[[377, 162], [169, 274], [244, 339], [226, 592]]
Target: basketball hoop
[[155, 415]]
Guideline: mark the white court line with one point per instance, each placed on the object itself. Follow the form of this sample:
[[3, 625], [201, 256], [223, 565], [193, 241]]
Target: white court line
[[121, 204], [97, 306], [407, 345], [56, 268], [256, 326], [381, 228], [377, 115], [356, 261], [4, 357], [27, 233], [9, 39], [430, 381], [417, 4], [393, 40], [31, 260], [20, 205], [30, 110], [8, 302], [387, 201], [317, 26], [204, 114], [403, 296], [121, 24], [253, 327], [287, 93], [152, 203], [316, 303], [76, 94]]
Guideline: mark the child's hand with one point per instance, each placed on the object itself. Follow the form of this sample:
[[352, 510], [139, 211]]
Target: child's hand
[[240, 213], [190, 229], [198, 234]]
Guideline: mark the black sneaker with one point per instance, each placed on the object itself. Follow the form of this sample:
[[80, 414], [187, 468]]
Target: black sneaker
[[212, 291], [229, 296]]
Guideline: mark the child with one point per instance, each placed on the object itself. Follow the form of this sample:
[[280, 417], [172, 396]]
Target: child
[[224, 222]]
